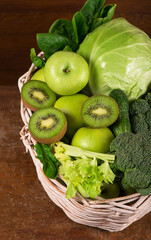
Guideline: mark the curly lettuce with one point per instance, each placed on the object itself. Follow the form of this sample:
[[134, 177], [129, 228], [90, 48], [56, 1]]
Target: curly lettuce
[[81, 170]]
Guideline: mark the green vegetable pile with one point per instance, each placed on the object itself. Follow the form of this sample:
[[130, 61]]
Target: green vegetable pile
[[92, 102], [69, 34]]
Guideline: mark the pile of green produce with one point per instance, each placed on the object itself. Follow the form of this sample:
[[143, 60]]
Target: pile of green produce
[[91, 104]]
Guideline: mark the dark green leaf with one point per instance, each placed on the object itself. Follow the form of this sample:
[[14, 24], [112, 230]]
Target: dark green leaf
[[91, 9], [96, 23], [50, 43], [62, 27], [80, 27], [50, 163], [38, 61], [105, 16], [48, 154], [108, 12], [49, 169], [39, 151]]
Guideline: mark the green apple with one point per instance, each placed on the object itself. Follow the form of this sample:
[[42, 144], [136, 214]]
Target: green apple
[[93, 139], [66, 73], [110, 190], [39, 75], [71, 106]]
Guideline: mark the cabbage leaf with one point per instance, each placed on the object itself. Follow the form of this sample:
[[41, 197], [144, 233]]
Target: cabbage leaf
[[119, 56]]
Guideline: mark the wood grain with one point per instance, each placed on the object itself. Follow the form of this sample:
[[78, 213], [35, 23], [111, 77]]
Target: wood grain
[[22, 19], [26, 212]]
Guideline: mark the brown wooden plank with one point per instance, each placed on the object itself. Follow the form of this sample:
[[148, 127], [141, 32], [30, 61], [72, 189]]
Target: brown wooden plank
[[22, 19]]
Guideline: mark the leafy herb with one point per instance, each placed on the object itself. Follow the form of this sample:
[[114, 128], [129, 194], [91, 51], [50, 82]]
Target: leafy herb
[[63, 27], [50, 43], [91, 9], [82, 171], [50, 163], [80, 26], [105, 16], [38, 61], [64, 32]]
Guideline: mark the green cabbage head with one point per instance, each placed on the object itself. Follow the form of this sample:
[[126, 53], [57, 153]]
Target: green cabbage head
[[119, 56]]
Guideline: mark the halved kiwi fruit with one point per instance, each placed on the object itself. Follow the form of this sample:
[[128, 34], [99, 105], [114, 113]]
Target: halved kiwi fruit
[[36, 95], [99, 111], [48, 125]]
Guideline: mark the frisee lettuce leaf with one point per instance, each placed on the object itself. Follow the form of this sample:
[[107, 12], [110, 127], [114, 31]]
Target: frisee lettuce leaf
[[85, 176], [81, 171]]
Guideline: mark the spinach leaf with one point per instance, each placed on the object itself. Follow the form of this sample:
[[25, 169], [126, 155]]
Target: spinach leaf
[[50, 43], [39, 151], [38, 61], [108, 12], [79, 26], [62, 27], [64, 32], [91, 9], [105, 16], [50, 164]]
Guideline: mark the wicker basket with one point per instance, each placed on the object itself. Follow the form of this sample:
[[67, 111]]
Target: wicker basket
[[112, 214]]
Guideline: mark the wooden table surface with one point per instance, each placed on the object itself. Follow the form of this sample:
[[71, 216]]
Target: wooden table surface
[[26, 212]]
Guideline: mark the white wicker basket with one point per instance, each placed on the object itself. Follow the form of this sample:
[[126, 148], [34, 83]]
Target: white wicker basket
[[112, 214]]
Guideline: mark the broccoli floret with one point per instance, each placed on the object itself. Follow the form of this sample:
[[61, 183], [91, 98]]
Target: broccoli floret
[[139, 123], [144, 191], [148, 98], [133, 158], [139, 106], [148, 119], [140, 115], [136, 178]]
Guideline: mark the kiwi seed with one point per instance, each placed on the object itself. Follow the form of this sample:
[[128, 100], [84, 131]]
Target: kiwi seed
[[99, 111]]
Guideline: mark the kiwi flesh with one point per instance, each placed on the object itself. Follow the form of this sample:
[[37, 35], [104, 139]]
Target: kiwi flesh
[[99, 111], [48, 125], [36, 95]]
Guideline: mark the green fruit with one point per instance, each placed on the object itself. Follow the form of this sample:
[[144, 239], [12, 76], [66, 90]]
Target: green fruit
[[93, 139], [71, 106], [99, 111], [66, 73], [48, 125], [36, 94], [109, 191], [39, 75]]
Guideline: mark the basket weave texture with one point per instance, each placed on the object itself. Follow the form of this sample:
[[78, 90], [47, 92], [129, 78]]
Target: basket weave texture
[[111, 214]]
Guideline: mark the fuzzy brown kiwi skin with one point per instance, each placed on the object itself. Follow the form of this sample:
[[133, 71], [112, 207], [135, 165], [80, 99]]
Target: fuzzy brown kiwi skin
[[28, 105], [105, 96], [52, 139]]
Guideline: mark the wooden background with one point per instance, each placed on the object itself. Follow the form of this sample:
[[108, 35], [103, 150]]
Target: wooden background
[[20, 20], [26, 212]]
